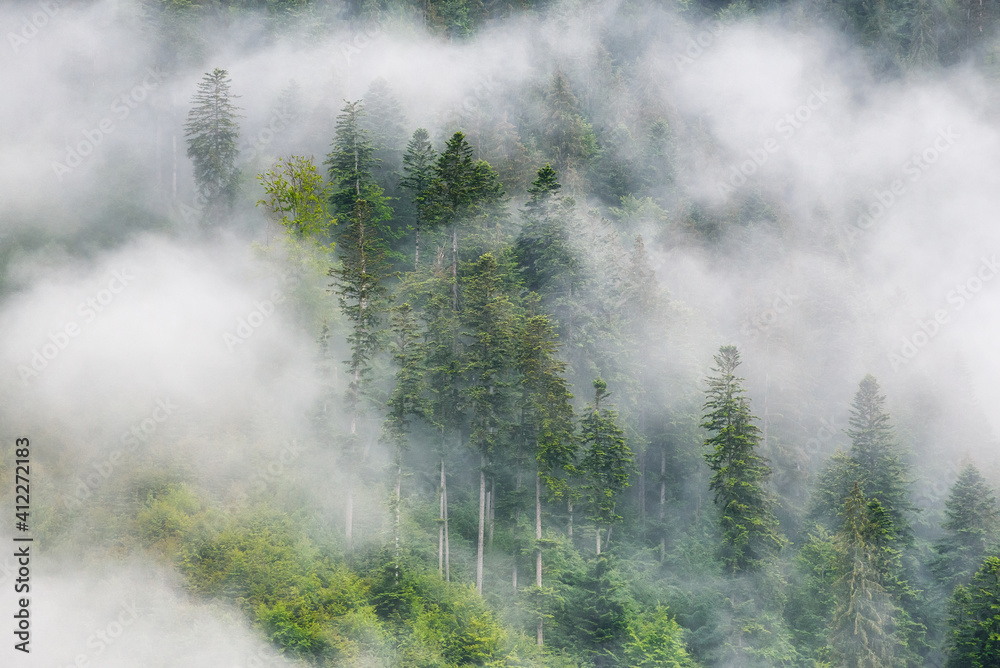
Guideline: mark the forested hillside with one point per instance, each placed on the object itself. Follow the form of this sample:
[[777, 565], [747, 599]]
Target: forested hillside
[[469, 333]]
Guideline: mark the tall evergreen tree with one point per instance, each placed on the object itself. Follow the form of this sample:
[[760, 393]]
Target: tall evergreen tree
[[418, 172], [607, 462], [351, 161], [750, 532], [864, 631], [975, 620], [491, 319], [363, 295], [386, 123], [543, 250], [972, 520], [874, 461], [548, 417], [213, 133]]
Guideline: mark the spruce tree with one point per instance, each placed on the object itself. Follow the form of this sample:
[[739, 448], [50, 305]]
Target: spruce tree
[[213, 133], [491, 319], [863, 632], [548, 418], [386, 123], [607, 462], [971, 523], [549, 265], [975, 620], [874, 461], [750, 534], [350, 162], [418, 172]]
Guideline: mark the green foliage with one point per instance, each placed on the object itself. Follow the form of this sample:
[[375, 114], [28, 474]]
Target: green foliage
[[971, 523], [212, 130], [975, 619], [655, 640], [297, 194], [749, 528]]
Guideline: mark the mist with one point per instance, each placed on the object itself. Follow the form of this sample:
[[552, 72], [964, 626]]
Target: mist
[[829, 220]]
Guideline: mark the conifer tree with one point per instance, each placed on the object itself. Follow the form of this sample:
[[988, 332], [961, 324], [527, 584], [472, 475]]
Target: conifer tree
[[548, 415], [864, 626], [386, 124], [607, 462], [418, 172], [749, 529], [874, 461], [491, 320], [351, 161], [549, 265], [363, 295], [972, 520], [213, 133], [975, 619]]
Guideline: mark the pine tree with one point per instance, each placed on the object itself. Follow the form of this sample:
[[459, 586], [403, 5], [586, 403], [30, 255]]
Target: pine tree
[[570, 138], [975, 620], [543, 250], [363, 295], [972, 520], [418, 172], [607, 462], [491, 320], [874, 461], [386, 124], [863, 632], [350, 162], [213, 133], [548, 416], [749, 529]]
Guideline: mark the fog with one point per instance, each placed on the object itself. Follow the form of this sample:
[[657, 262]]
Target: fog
[[865, 242]]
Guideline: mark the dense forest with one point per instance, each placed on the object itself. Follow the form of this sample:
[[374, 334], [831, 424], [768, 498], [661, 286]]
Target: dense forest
[[470, 333]]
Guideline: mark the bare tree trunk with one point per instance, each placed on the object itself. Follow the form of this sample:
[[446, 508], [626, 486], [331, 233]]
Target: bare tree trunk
[[663, 502], [482, 523], [491, 513], [447, 548], [597, 532], [441, 523], [569, 529], [538, 546], [399, 489], [454, 267], [416, 251], [642, 489], [349, 517]]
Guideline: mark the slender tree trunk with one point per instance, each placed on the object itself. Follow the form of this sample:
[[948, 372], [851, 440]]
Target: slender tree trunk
[[447, 548], [642, 489], [569, 529], [597, 532], [441, 523], [491, 511], [416, 251], [538, 546], [349, 518], [482, 523], [454, 267], [663, 502], [399, 489], [608, 541]]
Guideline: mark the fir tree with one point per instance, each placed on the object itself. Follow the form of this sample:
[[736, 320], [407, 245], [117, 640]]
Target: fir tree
[[971, 522], [213, 133], [975, 620], [418, 172], [350, 162], [749, 529], [863, 632], [607, 462]]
